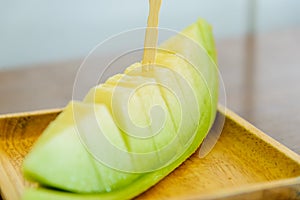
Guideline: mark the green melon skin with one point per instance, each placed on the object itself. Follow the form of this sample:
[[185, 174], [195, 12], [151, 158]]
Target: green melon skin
[[60, 161]]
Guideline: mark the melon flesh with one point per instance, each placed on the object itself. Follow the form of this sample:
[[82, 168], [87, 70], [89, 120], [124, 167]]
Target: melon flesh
[[178, 97], [72, 167], [121, 108], [150, 138]]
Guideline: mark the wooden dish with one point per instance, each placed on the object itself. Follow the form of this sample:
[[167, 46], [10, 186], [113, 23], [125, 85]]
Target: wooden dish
[[244, 164]]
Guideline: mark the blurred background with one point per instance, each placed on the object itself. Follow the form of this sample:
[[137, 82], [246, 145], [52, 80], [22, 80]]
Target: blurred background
[[35, 31], [42, 44]]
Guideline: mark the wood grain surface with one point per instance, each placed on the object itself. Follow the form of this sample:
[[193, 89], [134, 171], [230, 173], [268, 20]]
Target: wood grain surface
[[17, 135], [245, 163]]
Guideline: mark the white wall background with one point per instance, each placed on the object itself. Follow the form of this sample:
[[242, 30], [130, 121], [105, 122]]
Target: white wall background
[[37, 31]]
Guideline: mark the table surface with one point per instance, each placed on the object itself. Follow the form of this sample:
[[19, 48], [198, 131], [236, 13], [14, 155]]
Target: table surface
[[260, 72]]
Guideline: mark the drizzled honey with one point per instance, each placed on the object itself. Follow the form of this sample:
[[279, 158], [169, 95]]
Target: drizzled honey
[[151, 35]]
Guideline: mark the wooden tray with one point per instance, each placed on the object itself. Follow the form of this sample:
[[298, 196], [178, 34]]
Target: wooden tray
[[245, 163]]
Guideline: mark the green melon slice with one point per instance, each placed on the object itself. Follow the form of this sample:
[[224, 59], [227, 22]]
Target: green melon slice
[[145, 91], [68, 165], [71, 166]]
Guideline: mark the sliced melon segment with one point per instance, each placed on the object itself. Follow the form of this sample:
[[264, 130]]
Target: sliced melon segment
[[192, 53], [146, 94], [96, 176], [180, 101], [127, 115], [154, 108], [68, 165], [52, 147], [120, 97]]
